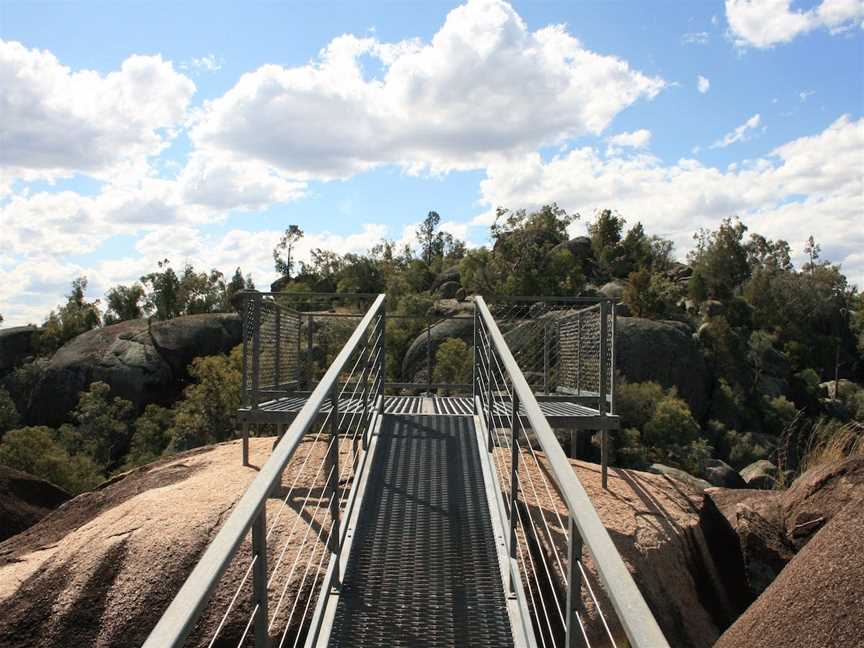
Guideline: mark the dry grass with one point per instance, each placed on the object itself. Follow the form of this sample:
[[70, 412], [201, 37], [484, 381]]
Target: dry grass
[[830, 442]]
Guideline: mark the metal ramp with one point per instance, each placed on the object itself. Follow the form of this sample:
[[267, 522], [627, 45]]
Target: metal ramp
[[423, 568], [436, 521]]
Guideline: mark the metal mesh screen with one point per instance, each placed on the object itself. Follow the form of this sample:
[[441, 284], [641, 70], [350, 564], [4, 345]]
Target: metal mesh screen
[[271, 349]]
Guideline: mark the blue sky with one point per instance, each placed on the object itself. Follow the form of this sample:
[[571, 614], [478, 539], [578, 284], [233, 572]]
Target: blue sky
[[129, 132]]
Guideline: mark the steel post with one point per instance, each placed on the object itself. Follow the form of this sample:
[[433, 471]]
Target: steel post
[[277, 373], [259, 578], [428, 357], [514, 478], [545, 358], [574, 585], [367, 369], [310, 377], [489, 404], [256, 349], [333, 465], [602, 404]]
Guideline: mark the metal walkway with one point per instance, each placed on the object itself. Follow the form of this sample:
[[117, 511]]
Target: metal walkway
[[560, 411], [417, 520], [423, 569]]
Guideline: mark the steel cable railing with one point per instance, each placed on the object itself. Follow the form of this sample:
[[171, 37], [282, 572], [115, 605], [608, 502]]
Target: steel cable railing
[[553, 527], [348, 414]]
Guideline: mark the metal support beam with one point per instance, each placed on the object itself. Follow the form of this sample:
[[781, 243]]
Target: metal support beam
[[428, 357], [574, 585], [602, 405], [333, 469], [259, 578], [310, 376], [277, 369], [545, 357], [366, 371], [245, 444], [514, 478], [256, 348]]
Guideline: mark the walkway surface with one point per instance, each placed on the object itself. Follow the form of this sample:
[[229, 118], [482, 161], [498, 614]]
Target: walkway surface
[[423, 569]]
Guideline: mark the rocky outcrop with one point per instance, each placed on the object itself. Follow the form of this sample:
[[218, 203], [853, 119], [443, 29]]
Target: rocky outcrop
[[666, 353], [719, 473], [101, 570], [818, 598], [772, 526], [24, 500], [695, 483], [450, 275], [144, 362], [415, 357], [448, 289], [655, 523], [16, 344], [760, 474]]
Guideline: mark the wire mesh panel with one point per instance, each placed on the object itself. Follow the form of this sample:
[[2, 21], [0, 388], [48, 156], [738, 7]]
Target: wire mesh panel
[[557, 343], [271, 349]]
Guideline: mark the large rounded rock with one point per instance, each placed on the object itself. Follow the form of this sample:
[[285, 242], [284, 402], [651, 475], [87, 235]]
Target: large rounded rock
[[719, 473], [141, 362], [818, 598], [655, 524], [695, 483], [666, 353], [760, 474], [448, 290], [450, 275], [24, 500], [16, 343], [415, 358], [102, 569]]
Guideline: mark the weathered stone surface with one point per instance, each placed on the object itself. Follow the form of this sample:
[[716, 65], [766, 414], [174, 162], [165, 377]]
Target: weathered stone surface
[[760, 474], [613, 290], [830, 388], [24, 500], [101, 570], [16, 343], [655, 523], [665, 352], [719, 473], [695, 483], [141, 362], [818, 598]]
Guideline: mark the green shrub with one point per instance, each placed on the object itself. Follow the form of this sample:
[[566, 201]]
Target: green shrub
[[636, 403], [454, 362], [151, 437], [208, 410], [9, 417], [35, 450]]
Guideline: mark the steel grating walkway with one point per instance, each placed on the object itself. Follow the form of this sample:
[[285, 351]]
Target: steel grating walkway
[[423, 568]]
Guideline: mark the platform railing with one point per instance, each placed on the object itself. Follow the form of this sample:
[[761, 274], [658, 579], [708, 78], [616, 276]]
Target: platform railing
[[355, 377], [551, 521]]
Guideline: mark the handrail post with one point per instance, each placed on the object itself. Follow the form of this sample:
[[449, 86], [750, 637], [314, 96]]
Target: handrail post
[[574, 584], [579, 353], [474, 367], [259, 578], [382, 360], [514, 478], [277, 377], [545, 357], [367, 369], [333, 468], [310, 377], [297, 371], [601, 406], [428, 357], [256, 356], [489, 402]]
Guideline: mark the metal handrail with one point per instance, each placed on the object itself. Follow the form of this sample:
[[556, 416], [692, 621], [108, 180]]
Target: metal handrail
[[636, 619], [185, 609]]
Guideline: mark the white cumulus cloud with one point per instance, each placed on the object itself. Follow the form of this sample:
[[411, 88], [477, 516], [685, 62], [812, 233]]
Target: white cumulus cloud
[[739, 134], [702, 84], [765, 23], [485, 85], [58, 122], [638, 139]]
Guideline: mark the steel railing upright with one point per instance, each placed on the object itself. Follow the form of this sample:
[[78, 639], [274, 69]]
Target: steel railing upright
[[531, 481], [366, 347]]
